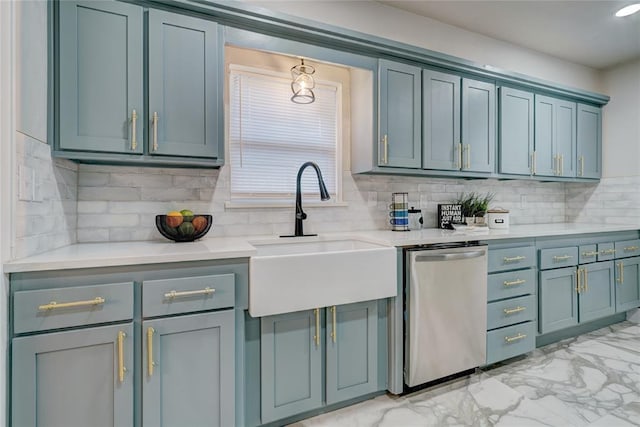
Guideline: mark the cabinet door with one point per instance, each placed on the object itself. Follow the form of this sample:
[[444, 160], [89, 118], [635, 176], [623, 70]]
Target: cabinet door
[[545, 155], [184, 78], [291, 364], [352, 350], [627, 273], [101, 59], [478, 125], [72, 378], [189, 370], [400, 115], [516, 131], [565, 137], [558, 307], [589, 150], [597, 294], [441, 121]]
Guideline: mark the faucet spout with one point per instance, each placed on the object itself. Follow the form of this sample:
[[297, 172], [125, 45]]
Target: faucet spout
[[324, 195]]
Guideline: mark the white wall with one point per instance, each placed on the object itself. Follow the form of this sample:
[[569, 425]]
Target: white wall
[[385, 21]]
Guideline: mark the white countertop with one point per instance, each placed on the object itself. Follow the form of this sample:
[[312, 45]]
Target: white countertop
[[90, 255]]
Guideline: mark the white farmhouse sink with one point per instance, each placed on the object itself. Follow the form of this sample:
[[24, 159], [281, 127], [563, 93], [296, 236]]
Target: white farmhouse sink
[[292, 274]]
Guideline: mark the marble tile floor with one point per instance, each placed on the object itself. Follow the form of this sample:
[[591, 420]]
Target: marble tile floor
[[590, 380]]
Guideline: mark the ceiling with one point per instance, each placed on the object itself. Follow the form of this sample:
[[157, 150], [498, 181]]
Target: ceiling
[[581, 31]]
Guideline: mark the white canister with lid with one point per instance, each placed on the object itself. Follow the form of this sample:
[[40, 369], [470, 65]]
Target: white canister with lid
[[498, 218]]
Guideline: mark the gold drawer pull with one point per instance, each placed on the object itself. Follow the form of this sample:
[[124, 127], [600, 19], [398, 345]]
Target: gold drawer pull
[[334, 332], [515, 338], [316, 337], [514, 282], [176, 294], [562, 257], [608, 251], [592, 253], [514, 258], [514, 310], [54, 305], [134, 119], [631, 248]]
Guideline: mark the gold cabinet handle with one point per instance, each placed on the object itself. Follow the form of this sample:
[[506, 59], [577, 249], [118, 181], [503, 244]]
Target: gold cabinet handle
[[334, 330], [561, 164], [517, 337], [562, 257], [578, 280], [316, 337], [581, 169], [514, 258], [154, 122], [514, 310], [621, 275], [177, 294], [134, 119], [533, 163], [631, 248], [608, 251], [459, 150], [589, 254], [150, 362], [468, 156], [585, 277], [55, 305], [385, 149], [514, 282], [121, 368]]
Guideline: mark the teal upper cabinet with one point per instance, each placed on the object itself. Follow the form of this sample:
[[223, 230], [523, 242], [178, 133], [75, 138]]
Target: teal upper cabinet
[[458, 123], [101, 104], [106, 83], [399, 115], [441, 121], [516, 131], [589, 160], [555, 137], [183, 85], [478, 125]]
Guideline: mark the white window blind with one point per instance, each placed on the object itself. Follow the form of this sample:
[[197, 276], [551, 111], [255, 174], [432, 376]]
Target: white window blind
[[270, 137]]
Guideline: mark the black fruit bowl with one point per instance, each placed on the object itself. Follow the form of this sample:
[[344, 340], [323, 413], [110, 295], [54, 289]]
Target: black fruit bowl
[[183, 229]]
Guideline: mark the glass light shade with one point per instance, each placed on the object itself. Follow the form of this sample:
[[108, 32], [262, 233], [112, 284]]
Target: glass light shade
[[303, 83]]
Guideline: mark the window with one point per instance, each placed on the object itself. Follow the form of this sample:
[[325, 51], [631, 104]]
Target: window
[[270, 137]]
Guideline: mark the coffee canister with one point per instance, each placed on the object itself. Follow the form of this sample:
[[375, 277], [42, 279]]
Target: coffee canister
[[498, 218], [415, 218]]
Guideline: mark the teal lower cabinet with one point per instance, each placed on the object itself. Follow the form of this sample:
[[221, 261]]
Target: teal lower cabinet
[[558, 299], [75, 378], [294, 346], [512, 301], [188, 373], [627, 279], [596, 291]]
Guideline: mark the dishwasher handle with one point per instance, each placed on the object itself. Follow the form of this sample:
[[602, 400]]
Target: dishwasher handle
[[449, 256]]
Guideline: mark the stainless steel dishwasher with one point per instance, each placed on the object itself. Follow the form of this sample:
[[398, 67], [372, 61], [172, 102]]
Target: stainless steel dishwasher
[[445, 311]]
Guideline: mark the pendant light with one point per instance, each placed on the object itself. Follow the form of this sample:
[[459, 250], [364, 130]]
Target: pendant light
[[303, 83]]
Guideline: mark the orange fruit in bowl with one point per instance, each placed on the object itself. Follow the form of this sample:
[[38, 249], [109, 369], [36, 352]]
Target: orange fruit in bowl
[[174, 219], [199, 223]]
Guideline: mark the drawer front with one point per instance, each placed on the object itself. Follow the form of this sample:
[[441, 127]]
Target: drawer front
[[508, 312], [511, 284], [558, 257], [627, 248], [510, 341], [511, 258], [587, 253], [187, 294], [46, 309]]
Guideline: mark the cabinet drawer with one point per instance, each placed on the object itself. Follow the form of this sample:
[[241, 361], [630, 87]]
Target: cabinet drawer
[[508, 312], [558, 257], [45, 309], [511, 284], [511, 258], [587, 253], [510, 341], [606, 251], [187, 294], [627, 248]]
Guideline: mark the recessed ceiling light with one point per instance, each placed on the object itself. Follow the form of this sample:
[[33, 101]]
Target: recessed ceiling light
[[628, 10]]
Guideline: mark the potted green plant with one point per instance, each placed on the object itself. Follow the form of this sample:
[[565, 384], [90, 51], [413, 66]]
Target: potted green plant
[[474, 206]]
